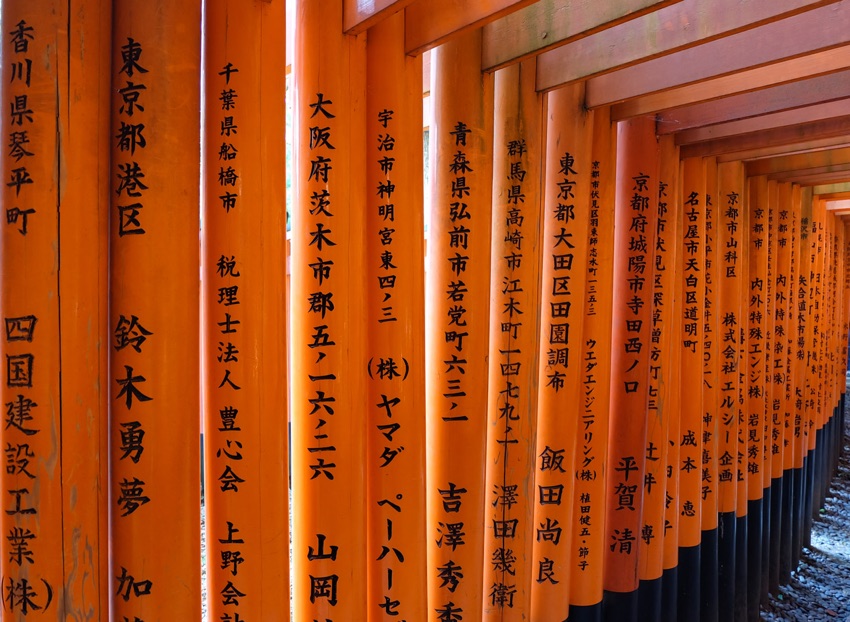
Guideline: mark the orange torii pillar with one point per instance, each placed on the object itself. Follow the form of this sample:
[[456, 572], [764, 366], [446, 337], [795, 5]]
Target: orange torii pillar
[[395, 289], [756, 306], [458, 278], [799, 295], [53, 302], [636, 212], [691, 385], [661, 390], [328, 316], [514, 283], [710, 401], [786, 553], [779, 378], [767, 384], [245, 396], [670, 174], [566, 201], [154, 385], [814, 371], [808, 238], [729, 236], [592, 441], [819, 349], [742, 502]]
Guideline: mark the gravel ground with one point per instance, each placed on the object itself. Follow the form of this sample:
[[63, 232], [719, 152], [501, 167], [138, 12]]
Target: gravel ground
[[820, 587]]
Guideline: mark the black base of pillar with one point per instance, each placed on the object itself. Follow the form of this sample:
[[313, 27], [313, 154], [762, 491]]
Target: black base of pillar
[[586, 613], [796, 517], [670, 595], [689, 577], [649, 601], [776, 520], [620, 606], [708, 576], [726, 524], [786, 540], [741, 569], [754, 533], [767, 496]]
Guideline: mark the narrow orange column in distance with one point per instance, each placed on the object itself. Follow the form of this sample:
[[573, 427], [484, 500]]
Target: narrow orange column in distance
[[154, 318], [328, 318], [395, 290], [691, 383], [245, 374], [661, 383], [458, 278], [731, 277], [514, 326]]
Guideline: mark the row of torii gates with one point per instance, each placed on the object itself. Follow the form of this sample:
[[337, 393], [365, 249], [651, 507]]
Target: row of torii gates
[[611, 389]]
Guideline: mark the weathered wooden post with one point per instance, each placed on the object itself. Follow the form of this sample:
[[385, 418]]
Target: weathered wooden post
[[154, 317], [245, 349]]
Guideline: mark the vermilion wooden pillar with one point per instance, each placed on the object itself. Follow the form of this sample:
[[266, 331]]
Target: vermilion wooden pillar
[[756, 402], [588, 544], [731, 277], [328, 315], [636, 210], [514, 326], [691, 384], [780, 380], [710, 401], [566, 217], [661, 390], [245, 372], [799, 299], [742, 503], [671, 175], [154, 320], [808, 240], [395, 289], [53, 303], [458, 285], [790, 474], [768, 498]]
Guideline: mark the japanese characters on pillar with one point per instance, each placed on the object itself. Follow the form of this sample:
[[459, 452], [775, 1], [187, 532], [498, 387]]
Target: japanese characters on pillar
[[805, 321], [756, 306], [245, 393], [592, 439], [32, 573], [780, 376], [567, 196], [395, 455], [693, 264], [328, 291], [772, 411], [636, 213], [154, 347], [729, 235], [799, 305], [661, 371], [711, 353], [456, 355], [514, 285], [671, 396]]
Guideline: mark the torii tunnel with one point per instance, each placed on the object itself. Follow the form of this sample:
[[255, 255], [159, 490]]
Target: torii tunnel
[[548, 319]]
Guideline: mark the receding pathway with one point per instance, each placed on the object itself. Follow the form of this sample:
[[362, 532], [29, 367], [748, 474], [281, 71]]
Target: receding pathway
[[820, 587]]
